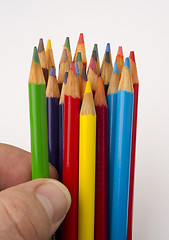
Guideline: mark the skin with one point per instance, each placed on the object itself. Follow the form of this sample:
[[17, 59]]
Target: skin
[[17, 167], [25, 202]]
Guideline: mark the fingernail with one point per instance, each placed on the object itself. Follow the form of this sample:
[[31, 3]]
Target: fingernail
[[55, 198]]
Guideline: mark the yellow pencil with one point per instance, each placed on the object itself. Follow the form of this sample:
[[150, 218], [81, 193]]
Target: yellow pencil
[[49, 55], [87, 160]]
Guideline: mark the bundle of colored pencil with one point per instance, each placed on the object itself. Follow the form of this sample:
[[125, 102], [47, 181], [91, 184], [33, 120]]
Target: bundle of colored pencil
[[85, 125]]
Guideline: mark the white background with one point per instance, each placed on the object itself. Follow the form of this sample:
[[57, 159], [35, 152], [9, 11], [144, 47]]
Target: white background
[[141, 26]]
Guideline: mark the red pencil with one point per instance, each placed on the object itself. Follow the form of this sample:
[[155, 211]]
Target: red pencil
[[81, 48], [133, 144], [101, 201], [71, 151]]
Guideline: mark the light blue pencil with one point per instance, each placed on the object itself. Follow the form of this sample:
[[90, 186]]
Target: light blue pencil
[[112, 105], [122, 155]]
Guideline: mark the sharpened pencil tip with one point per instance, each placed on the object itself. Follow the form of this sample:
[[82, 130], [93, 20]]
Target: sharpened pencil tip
[[52, 72], [67, 43], [94, 55], [93, 65], [65, 77], [41, 45], [120, 51], [35, 56], [108, 48], [48, 46], [72, 67], [88, 88], [83, 74], [132, 56], [107, 57], [96, 49], [81, 39], [115, 69], [79, 57], [77, 68], [127, 63]]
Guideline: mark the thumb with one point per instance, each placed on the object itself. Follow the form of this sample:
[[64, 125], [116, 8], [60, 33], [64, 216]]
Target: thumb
[[33, 210]]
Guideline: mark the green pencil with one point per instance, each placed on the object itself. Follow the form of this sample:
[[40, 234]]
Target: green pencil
[[38, 119]]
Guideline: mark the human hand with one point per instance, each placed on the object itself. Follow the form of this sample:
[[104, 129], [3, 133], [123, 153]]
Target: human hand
[[33, 209]]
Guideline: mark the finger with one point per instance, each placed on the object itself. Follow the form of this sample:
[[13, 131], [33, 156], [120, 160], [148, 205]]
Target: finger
[[15, 166], [33, 210]]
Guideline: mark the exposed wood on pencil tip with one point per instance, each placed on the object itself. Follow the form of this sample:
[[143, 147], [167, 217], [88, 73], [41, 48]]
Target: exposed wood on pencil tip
[[126, 83], [36, 75], [52, 90], [63, 88], [88, 102], [114, 80], [41, 45], [100, 98]]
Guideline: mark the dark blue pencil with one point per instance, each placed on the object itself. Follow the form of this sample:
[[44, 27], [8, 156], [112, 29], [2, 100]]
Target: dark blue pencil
[[52, 101]]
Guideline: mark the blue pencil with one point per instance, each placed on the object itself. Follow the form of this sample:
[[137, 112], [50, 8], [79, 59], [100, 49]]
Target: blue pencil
[[122, 155], [61, 118], [52, 102], [112, 104]]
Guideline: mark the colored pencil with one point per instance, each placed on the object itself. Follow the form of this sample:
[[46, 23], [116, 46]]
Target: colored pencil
[[122, 155], [52, 101], [133, 143], [112, 106], [120, 59], [108, 49], [61, 123], [80, 63], [38, 119], [87, 151], [107, 69], [77, 70], [71, 151], [68, 50], [64, 67], [95, 54], [92, 75], [43, 60], [49, 55], [101, 163], [82, 82], [81, 48]]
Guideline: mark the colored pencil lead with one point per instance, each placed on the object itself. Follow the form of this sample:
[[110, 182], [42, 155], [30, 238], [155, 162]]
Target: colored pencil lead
[[92, 74], [49, 55]]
